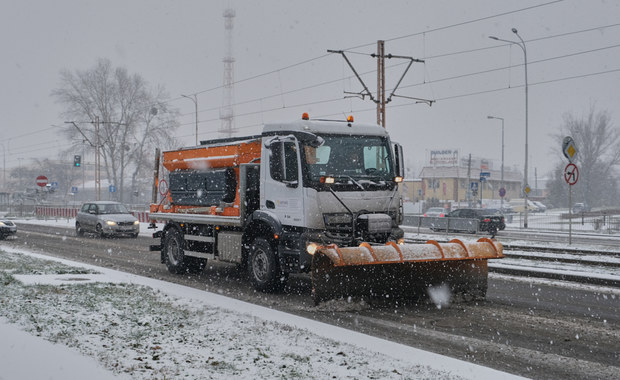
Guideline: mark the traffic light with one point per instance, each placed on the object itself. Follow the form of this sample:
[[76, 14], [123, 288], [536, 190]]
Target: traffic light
[[77, 160]]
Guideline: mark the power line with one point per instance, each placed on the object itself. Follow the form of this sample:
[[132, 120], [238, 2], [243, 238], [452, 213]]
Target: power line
[[522, 85], [528, 41], [373, 43], [406, 104], [511, 66], [462, 23], [438, 99], [412, 85]]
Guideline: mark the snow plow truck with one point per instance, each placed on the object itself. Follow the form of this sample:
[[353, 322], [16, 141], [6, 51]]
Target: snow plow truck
[[314, 196]]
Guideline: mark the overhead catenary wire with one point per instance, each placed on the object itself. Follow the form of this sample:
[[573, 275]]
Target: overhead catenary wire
[[311, 60], [391, 106], [373, 43]]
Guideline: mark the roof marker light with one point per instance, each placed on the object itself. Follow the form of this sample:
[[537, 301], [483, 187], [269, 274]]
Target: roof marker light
[[305, 116], [350, 118]]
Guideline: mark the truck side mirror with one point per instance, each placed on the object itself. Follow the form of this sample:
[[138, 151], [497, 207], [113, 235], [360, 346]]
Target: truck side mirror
[[399, 166]]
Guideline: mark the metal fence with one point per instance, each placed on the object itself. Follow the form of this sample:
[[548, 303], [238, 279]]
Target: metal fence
[[441, 223], [607, 222], [68, 212]]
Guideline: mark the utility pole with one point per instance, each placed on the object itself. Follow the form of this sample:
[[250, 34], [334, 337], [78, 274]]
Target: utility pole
[[381, 83], [97, 145], [381, 100], [469, 190]]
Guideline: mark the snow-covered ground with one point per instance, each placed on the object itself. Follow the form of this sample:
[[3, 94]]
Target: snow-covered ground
[[67, 320]]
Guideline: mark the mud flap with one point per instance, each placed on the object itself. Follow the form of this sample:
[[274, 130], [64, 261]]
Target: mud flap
[[402, 272]]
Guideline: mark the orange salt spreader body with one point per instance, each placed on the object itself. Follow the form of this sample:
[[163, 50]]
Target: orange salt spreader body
[[204, 158]]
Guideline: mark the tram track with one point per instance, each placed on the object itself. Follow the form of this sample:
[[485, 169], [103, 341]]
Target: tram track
[[586, 266]]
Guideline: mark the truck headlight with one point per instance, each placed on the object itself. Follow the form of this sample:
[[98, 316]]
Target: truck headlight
[[311, 248]]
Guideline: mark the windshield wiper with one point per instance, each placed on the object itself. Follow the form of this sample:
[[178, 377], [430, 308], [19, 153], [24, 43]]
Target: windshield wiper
[[355, 182]]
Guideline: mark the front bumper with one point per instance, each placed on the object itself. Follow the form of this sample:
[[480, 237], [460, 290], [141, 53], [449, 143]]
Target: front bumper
[[8, 230], [121, 230]]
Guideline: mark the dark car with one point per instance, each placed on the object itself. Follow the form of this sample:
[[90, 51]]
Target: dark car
[[489, 220], [7, 228], [497, 211], [106, 219]]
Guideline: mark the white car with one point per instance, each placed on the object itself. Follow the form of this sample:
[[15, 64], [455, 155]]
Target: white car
[[436, 212], [541, 207], [7, 228], [106, 219]]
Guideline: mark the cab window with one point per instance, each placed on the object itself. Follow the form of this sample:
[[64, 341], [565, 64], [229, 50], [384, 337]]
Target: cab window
[[283, 164]]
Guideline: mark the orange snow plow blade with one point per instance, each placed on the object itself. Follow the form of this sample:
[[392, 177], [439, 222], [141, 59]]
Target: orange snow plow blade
[[402, 271]]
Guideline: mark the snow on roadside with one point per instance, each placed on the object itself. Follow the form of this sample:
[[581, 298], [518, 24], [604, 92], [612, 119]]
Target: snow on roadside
[[148, 329]]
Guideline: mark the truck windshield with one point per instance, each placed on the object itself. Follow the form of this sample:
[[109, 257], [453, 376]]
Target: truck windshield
[[362, 161]]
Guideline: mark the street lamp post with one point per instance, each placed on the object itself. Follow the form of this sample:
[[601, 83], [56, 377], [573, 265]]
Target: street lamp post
[[502, 185], [194, 99], [4, 167], [526, 187]]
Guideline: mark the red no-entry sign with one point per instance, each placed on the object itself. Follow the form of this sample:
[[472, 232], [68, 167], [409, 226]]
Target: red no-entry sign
[[571, 174], [41, 180]]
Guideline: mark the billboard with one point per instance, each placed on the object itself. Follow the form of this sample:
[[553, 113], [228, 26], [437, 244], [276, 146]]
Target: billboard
[[445, 157]]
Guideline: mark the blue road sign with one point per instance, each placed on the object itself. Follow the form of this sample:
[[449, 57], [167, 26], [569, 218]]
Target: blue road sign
[[112, 189], [74, 189], [473, 186]]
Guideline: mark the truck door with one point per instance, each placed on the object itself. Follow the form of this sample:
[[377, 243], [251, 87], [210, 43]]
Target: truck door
[[282, 193]]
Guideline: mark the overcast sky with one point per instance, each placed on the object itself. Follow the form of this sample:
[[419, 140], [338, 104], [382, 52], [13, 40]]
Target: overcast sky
[[282, 66]]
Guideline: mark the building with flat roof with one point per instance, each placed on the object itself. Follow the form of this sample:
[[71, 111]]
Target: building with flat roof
[[453, 181]]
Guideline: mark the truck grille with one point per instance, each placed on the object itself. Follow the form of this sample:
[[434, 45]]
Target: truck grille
[[338, 227]]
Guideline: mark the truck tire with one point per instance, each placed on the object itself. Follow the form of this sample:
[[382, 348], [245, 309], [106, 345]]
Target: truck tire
[[263, 267], [173, 251]]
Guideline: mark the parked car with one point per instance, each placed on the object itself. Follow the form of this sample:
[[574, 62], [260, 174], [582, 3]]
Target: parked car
[[7, 228], [436, 212], [490, 221], [580, 207], [541, 207], [106, 218]]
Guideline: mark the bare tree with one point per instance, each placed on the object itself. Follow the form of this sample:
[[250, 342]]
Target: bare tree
[[133, 119], [597, 140]]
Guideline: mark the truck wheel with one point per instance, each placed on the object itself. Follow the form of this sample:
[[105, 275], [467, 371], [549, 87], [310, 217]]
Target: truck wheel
[[173, 251], [263, 267], [78, 230]]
